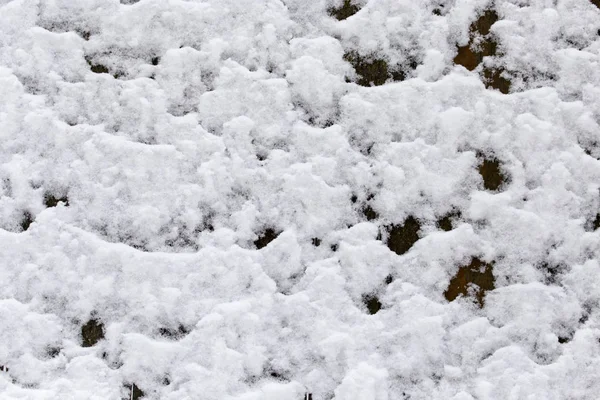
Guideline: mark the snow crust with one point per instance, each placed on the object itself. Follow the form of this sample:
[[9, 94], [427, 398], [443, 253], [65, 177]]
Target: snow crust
[[251, 119]]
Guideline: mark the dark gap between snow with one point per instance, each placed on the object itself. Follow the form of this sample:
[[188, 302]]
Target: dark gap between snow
[[372, 303], [265, 238], [345, 11], [92, 332], [491, 172], [476, 279], [402, 237]]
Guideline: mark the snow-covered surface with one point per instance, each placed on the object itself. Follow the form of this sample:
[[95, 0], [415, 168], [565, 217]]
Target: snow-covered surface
[[248, 122]]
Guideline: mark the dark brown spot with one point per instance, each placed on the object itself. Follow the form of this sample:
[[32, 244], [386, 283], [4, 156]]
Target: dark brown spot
[[372, 71], [354, 198], [446, 223], [493, 79], [334, 247], [389, 279], [597, 4], [347, 10], [484, 23], [97, 68], [476, 277], [470, 58], [372, 303], [92, 332], [490, 171], [316, 242], [402, 237], [155, 60], [267, 237], [166, 381], [481, 43], [50, 200], [26, 220]]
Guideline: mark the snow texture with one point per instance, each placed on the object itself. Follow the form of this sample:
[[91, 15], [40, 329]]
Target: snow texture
[[299, 200]]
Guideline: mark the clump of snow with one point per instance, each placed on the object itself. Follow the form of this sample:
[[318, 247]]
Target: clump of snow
[[336, 199]]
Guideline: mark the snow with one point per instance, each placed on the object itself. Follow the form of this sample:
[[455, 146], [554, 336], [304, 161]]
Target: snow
[[212, 163]]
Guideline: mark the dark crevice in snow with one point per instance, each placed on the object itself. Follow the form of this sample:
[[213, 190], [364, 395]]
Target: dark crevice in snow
[[564, 339], [474, 279], [92, 332], [375, 71], [372, 71], [495, 78], [448, 221], [369, 213], [316, 242], [308, 396], [133, 392], [334, 247], [366, 209], [98, 68], [402, 237], [266, 237], [372, 303], [344, 11], [441, 8], [27, 219], [85, 35], [597, 4], [491, 172], [52, 200], [173, 334], [389, 279], [276, 375]]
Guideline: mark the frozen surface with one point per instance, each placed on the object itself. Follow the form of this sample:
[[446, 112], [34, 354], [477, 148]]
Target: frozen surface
[[214, 186]]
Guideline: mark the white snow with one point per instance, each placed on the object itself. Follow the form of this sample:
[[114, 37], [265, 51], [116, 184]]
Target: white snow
[[218, 121]]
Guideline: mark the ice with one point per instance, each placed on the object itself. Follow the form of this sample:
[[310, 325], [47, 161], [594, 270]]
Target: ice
[[318, 200]]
